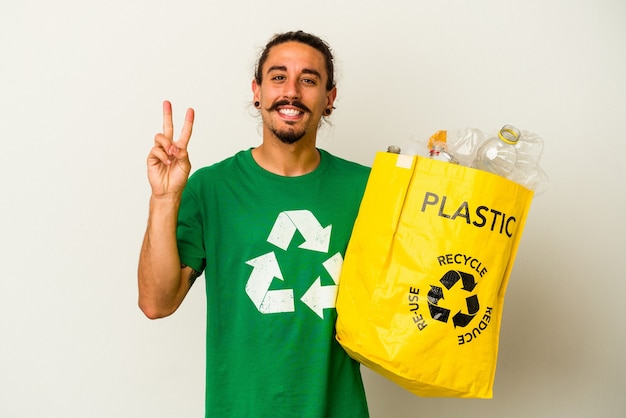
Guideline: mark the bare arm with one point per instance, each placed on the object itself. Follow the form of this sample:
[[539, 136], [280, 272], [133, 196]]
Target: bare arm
[[162, 281]]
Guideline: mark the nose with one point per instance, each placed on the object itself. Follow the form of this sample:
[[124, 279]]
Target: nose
[[291, 89]]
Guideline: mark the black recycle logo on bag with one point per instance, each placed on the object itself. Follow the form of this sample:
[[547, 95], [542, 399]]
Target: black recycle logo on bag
[[436, 294]]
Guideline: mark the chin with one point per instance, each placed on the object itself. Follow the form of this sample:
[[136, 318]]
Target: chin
[[289, 137], [289, 140]]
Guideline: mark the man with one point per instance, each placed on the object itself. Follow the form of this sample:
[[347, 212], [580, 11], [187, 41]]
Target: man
[[269, 228]]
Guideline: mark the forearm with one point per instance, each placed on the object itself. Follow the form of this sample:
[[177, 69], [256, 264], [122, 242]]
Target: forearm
[[159, 275]]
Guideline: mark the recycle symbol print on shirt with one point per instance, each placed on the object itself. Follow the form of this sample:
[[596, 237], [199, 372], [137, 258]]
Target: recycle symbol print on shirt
[[265, 268]]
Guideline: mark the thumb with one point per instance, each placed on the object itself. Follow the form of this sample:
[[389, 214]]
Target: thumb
[[176, 152]]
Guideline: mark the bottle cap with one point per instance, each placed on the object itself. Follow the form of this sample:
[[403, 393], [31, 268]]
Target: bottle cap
[[509, 134], [439, 136]]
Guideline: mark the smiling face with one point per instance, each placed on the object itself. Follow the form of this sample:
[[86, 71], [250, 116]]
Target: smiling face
[[293, 95]]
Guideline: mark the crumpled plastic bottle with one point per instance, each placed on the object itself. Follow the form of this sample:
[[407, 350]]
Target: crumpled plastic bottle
[[462, 143], [498, 154], [527, 170], [520, 163]]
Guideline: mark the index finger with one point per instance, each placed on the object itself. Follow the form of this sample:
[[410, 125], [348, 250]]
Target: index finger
[[185, 133], [168, 126]]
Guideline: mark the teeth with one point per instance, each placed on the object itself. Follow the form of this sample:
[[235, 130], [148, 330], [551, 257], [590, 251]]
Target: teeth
[[290, 112]]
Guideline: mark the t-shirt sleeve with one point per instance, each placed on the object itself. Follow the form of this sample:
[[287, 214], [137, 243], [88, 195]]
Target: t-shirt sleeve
[[189, 232]]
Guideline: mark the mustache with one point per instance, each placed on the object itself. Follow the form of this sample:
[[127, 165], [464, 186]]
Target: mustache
[[294, 103]]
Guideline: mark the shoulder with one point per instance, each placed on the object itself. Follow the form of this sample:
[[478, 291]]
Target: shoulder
[[343, 163], [346, 167], [221, 168], [209, 180]]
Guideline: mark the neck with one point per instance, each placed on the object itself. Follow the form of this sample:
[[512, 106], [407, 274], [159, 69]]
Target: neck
[[287, 160]]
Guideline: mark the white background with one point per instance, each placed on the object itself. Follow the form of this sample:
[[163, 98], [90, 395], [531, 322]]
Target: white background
[[81, 85]]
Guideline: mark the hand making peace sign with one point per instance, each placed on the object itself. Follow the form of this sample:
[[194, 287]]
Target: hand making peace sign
[[168, 161]]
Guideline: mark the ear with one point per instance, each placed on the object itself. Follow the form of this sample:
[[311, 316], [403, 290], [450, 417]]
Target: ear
[[256, 91], [330, 97]]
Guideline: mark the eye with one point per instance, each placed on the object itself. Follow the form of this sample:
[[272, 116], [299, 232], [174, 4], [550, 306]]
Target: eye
[[309, 81], [278, 78]]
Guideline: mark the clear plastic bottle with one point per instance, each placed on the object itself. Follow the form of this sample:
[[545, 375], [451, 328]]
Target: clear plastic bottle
[[438, 148], [414, 147], [462, 143], [527, 171], [439, 152], [498, 154]]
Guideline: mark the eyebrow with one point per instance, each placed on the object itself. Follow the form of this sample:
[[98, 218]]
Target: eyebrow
[[304, 70]]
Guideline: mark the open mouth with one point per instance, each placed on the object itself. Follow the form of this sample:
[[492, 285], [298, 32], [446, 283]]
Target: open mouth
[[290, 111]]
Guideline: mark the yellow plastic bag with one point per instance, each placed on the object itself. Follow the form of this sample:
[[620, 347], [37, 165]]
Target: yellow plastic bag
[[423, 282]]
